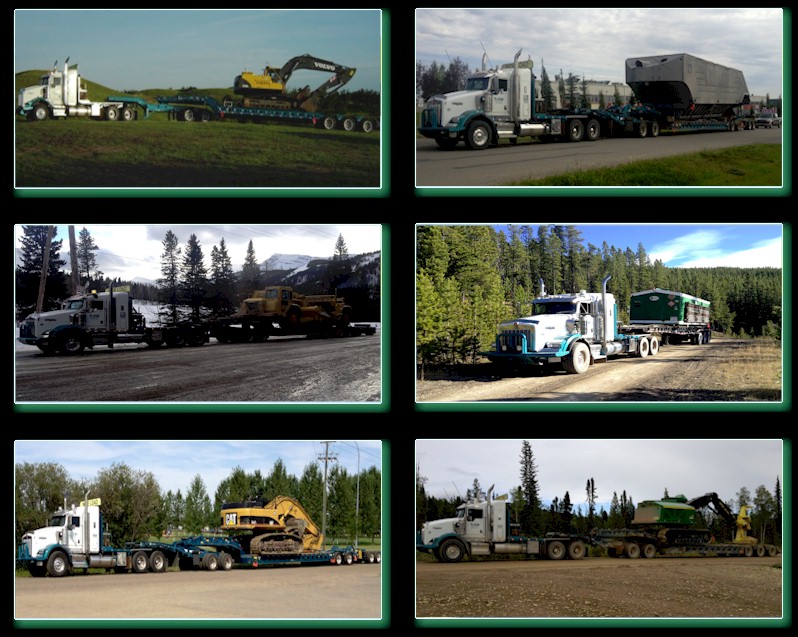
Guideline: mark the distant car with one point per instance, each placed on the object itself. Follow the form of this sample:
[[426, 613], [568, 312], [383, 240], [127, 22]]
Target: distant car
[[768, 120]]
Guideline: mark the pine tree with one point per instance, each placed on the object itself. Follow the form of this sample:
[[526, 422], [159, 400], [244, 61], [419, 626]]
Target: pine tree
[[340, 265], [250, 274], [28, 273], [222, 281], [87, 261], [169, 283], [194, 277], [530, 515]]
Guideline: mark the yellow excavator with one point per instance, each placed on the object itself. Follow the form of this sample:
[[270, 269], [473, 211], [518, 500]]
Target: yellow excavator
[[279, 527], [268, 90]]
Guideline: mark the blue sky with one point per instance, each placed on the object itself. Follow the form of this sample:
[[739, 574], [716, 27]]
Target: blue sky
[[596, 42], [134, 252], [150, 48], [693, 245], [174, 463], [643, 468]]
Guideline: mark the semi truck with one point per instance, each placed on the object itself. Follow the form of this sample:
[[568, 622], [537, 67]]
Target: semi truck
[[577, 329], [670, 527], [483, 527], [63, 94], [75, 539], [504, 103], [107, 318]]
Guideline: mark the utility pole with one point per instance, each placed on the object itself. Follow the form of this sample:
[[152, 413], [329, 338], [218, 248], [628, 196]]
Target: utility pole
[[73, 257], [325, 457], [45, 268]]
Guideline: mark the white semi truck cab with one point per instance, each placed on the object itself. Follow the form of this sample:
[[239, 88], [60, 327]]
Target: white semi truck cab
[[482, 527]]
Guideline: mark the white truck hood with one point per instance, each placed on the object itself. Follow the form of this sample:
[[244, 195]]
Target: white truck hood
[[437, 528]]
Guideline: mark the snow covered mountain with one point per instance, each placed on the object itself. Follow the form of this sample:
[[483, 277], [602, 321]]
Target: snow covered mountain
[[288, 262]]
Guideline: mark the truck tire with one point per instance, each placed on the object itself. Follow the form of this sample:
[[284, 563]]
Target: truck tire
[[653, 128], [329, 123], [576, 130], [578, 361], [349, 124], [592, 130], [478, 135], [641, 129], [210, 562], [577, 550], [140, 563], [760, 550], [58, 564], [653, 346], [188, 115], [205, 115], [348, 559], [748, 551], [367, 125], [632, 551], [112, 113], [158, 562], [39, 113], [128, 114], [452, 550], [338, 559], [71, 344], [225, 561], [555, 550], [649, 551], [644, 347]]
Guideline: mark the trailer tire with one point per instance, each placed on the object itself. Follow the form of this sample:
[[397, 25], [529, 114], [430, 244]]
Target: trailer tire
[[158, 562], [368, 557], [592, 130], [641, 129], [58, 564], [452, 550], [329, 123], [338, 559], [644, 348], [225, 561], [139, 562], [654, 128], [348, 559], [555, 550], [112, 113], [576, 550], [39, 113], [378, 556], [772, 550], [649, 551], [367, 125], [632, 551], [578, 361], [210, 562], [128, 114], [205, 115], [760, 550], [349, 124], [654, 346], [478, 135], [576, 130], [748, 551]]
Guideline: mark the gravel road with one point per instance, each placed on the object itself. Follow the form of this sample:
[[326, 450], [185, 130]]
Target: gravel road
[[278, 370], [602, 587], [268, 593]]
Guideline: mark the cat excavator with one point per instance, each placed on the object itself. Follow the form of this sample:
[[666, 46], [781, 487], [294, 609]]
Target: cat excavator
[[279, 527], [268, 90]]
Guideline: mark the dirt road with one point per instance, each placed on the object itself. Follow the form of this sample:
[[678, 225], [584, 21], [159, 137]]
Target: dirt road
[[278, 370], [602, 587], [677, 373], [267, 593]]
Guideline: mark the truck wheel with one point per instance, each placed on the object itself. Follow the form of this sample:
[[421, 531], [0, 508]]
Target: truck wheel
[[71, 345], [653, 346], [592, 130], [578, 362], [654, 128], [632, 551], [452, 550], [225, 561], [555, 550], [478, 136], [748, 551], [643, 347], [210, 562], [642, 129], [39, 113], [348, 559], [649, 551], [772, 550], [369, 557], [188, 115], [338, 559], [328, 123], [576, 130], [205, 115], [576, 550], [140, 562], [760, 550], [58, 564], [367, 125], [128, 114], [158, 563], [112, 113], [349, 124]]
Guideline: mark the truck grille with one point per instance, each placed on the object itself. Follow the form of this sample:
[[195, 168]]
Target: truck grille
[[431, 116], [517, 341], [27, 329]]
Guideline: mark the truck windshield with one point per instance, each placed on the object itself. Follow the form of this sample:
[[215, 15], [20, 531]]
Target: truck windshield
[[58, 520], [554, 308], [77, 304], [477, 83]]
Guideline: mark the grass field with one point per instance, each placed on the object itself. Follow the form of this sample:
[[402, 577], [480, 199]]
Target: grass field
[[158, 153]]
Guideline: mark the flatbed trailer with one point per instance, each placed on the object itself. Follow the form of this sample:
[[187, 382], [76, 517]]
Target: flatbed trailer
[[634, 543]]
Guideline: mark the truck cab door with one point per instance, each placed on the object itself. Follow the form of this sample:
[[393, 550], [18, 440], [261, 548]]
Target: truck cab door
[[475, 524], [95, 314], [74, 534]]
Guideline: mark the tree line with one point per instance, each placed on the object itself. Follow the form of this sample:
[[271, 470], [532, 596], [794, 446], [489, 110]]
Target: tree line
[[471, 278], [135, 508], [564, 515], [187, 288]]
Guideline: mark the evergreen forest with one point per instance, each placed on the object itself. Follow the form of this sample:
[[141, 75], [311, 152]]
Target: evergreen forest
[[470, 278]]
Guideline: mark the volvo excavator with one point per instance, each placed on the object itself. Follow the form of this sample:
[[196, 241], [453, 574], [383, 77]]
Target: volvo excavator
[[268, 90], [279, 527]]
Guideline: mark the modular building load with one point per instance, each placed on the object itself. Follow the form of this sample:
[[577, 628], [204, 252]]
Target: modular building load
[[106, 318], [63, 94], [575, 330], [675, 316], [670, 526], [503, 103], [483, 527], [75, 539]]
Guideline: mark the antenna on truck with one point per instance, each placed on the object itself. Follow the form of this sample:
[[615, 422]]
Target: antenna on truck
[[486, 55]]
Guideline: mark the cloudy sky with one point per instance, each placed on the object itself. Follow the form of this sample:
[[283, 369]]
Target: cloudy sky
[[642, 468], [175, 463], [203, 48], [134, 252], [595, 43], [752, 245]]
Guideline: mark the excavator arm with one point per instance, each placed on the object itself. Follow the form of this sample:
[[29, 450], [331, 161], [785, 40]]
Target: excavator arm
[[741, 522]]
